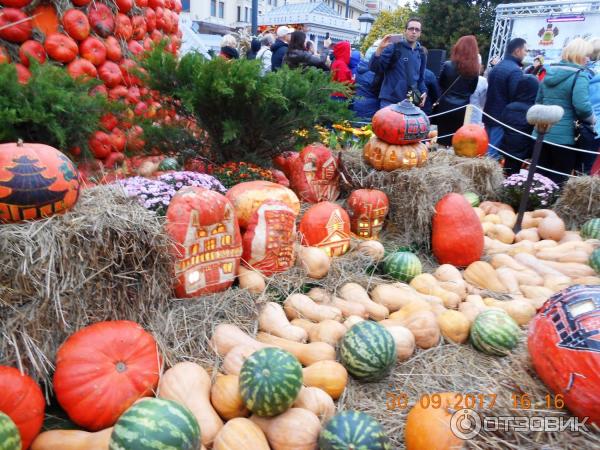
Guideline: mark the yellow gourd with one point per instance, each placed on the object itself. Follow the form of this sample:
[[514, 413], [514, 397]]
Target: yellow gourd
[[427, 284], [501, 233], [482, 274], [307, 354], [405, 341], [295, 429], [226, 336], [316, 400], [272, 319], [454, 326], [72, 440], [354, 292], [241, 434], [302, 306], [330, 376], [314, 260], [252, 280]]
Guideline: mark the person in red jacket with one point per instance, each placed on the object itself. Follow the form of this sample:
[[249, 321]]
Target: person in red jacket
[[340, 71]]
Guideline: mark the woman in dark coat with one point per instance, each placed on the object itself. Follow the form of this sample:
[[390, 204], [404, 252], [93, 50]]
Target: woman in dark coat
[[458, 80], [298, 56]]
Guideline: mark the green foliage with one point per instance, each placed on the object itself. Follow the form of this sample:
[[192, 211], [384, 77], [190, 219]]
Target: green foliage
[[388, 22], [52, 108], [247, 116]]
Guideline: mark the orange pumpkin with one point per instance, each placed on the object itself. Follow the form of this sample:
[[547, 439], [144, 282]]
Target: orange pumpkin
[[314, 174], [470, 140], [388, 157], [368, 208], [36, 181], [428, 423], [327, 226], [401, 123]]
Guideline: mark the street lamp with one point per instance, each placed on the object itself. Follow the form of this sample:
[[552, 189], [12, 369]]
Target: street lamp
[[366, 21]]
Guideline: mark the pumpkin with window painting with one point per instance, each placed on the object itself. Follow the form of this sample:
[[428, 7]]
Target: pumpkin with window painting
[[401, 123], [368, 209], [208, 243], [326, 226], [314, 174], [383, 156]]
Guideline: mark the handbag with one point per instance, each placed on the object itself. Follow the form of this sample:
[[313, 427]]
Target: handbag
[[436, 104]]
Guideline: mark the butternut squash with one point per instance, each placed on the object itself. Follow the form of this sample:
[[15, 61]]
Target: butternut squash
[[347, 308], [507, 218], [529, 221], [587, 280], [471, 310], [306, 325], [527, 234], [235, 358], [272, 319], [545, 243], [480, 213], [314, 260], [72, 440], [241, 434], [393, 297], [573, 270], [487, 227], [521, 311], [501, 233], [372, 249], [454, 326], [416, 295], [330, 376], [533, 263], [226, 399], [450, 279], [493, 207], [252, 280], [551, 228], [492, 218], [328, 331], [504, 260], [319, 295], [226, 336], [307, 354], [295, 429], [188, 384], [316, 400], [405, 341], [482, 274], [426, 283], [571, 236], [543, 213], [354, 292], [508, 278], [423, 325], [554, 254], [522, 273], [412, 307], [536, 292], [351, 321], [302, 306], [492, 246]]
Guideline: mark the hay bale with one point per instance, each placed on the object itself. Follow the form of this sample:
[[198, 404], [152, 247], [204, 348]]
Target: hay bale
[[579, 201], [414, 193], [106, 259]]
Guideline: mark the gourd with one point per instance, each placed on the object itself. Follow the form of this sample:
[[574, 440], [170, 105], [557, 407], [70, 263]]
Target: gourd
[[307, 354], [492, 246], [492, 218], [235, 358], [393, 297], [329, 331], [329, 376], [405, 341], [314, 260], [501, 233], [494, 207], [410, 308], [72, 440], [482, 274], [508, 278], [317, 401], [571, 236], [471, 310], [520, 311], [319, 295], [454, 326], [551, 228], [226, 399], [508, 218], [299, 305], [241, 434], [424, 327], [351, 321], [555, 254], [353, 292], [536, 292], [450, 278], [372, 249], [227, 336], [252, 280], [347, 308], [527, 234], [273, 320], [189, 385], [295, 429], [427, 284], [571, 269]]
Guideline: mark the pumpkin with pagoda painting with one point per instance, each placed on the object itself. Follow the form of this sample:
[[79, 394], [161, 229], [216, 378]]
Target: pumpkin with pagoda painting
[[314, 174], [368, 209], [36, 181], [327, 226], [208, 245], [401, 123], [269, 239]]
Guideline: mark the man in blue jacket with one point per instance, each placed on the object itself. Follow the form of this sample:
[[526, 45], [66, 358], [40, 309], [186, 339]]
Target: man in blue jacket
[[280, 47], [503, 82], [403, 65]]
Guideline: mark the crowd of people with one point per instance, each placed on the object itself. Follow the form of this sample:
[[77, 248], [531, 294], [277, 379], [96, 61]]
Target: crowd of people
[[394, 68]]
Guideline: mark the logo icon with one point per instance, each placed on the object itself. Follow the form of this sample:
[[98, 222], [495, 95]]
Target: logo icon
[[465, 424]]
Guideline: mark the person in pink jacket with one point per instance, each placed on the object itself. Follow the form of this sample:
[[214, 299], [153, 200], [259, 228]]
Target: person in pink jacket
[[340, 71]]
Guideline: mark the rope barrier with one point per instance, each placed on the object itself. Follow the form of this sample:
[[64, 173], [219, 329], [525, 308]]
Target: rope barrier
[[539, 167]]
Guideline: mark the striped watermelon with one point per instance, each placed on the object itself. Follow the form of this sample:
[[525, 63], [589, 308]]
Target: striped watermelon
[[402, 265], [368, 351], [595, 260], [353, 430], [494, 332], [10, 439], [270, 381], [156, 423], [591, 229]]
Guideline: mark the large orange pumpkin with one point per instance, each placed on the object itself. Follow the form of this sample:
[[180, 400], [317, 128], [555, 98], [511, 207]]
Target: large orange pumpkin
[[388, 157], [102, 369], [327, 226], [470, 140], [23, 401], [208, 246], [401, 123], [36, 181]]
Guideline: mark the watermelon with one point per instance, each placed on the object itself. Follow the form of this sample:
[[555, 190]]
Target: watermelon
[[270, 380], [353, 430], [368, 351], [154, 423], [472, 198], [168, 164], [595, 260], [403, 266], [10, 439], [591, 229], [494, 332]]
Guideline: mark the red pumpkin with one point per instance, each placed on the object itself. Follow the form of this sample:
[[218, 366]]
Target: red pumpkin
[[150, 17], [23, 73], [110, 74], [19, 32], [141, 3], [93, 50], [135, 47], [45, 19], [76, 24], [123, 28], [564, 346], [326, 225], [36, 181], [32, 49], [101, 19], [100, 144], [124, 6], [61, 47], [139, 27], [368, 209], [314, 174], [402, 123], [15, 3], [118, 92], [118, 139], [81, 2], [102, 369], [208, 245], [456, 232], [269, 239], [4, 56], [109, 121], [470, 140], [113, 49], [82, 68], [23, 401], [247, 197]]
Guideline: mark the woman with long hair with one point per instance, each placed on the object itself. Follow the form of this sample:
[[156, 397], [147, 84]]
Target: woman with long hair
[[458, 80], [298, 56]]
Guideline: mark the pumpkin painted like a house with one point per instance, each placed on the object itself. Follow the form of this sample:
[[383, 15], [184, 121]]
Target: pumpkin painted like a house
[[327, 226], [314, 174], [368, 209], [208, 241]]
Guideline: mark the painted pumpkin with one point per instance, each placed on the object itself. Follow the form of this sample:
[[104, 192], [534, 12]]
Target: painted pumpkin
[[456, 232], [36, 181], [208, 245], [102, 369], [284, 162], [247, 197], [368, 209], [23, 401], [564, 344], [388, 157], [470, 140], [401, 123], [314, 174], [268, 242], [327, 226]]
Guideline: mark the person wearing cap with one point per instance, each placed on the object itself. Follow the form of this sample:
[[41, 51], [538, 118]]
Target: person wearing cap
[[280, 47], [229, 47], [537, 68]]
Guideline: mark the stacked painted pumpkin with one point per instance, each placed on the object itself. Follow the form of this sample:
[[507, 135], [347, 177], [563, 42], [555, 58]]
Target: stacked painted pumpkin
[[399, 130]]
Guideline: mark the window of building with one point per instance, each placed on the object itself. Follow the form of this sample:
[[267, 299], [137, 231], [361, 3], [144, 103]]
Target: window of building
[[246, 14], [213, 8], [221, 9], [274, 2], [339, 9], [269, 2], [239, 19]]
